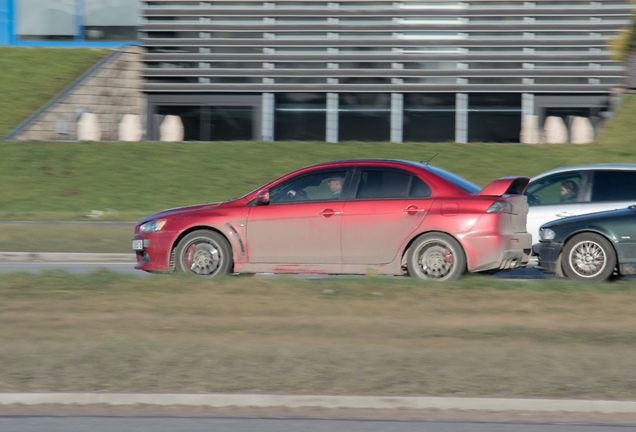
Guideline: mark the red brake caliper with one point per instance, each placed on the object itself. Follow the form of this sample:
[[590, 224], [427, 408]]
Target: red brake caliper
[[448, 255], [189, 255]]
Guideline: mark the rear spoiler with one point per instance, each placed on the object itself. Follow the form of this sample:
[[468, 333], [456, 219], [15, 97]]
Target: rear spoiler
[[506, 186]]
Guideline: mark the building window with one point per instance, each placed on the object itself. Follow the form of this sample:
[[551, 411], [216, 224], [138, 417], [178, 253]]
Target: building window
[[494, 117], [364, 117], [429, 117], [213, 123], [300, 117]]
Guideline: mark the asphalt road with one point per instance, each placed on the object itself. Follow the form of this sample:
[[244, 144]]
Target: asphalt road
[[77, 263], [70, 267], [198, 424]]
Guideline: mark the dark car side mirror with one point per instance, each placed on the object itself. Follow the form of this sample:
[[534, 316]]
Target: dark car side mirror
[[262, 198]]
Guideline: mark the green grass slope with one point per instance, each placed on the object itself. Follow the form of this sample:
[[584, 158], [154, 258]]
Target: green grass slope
[[29, 77], [67, 180]]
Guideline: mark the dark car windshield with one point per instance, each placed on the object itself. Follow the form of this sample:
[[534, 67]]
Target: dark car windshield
[[458, 181]]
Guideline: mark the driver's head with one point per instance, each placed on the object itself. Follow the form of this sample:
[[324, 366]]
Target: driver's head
[[335, 183]]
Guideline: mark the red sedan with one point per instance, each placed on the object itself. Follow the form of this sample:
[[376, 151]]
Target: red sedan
[[347, 217]]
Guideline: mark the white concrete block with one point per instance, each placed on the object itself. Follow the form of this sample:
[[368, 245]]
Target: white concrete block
[[555, 131], [171, 129]]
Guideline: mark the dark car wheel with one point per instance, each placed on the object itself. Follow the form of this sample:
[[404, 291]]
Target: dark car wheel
[[589, 257], [204, 253], [436, 256]]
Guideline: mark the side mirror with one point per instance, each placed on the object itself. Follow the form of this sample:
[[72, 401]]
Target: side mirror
[[262, 197]]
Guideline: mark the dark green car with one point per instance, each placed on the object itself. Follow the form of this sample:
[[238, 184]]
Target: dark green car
[[590, 247]]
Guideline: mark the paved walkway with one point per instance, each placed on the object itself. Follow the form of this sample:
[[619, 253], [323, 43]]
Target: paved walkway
[[221, 400], [65, 257]]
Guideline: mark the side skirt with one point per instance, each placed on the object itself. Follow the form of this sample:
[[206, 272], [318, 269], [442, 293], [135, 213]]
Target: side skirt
[[392, 268]]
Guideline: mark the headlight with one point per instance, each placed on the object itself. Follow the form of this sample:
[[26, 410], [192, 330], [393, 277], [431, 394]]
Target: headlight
[[152, 226], [546, 234]]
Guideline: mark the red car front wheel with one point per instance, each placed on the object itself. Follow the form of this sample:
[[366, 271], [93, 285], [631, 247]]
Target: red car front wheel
[[204, 253]]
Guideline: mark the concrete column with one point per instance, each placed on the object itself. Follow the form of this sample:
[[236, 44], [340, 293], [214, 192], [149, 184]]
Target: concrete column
[[461, 118], [397, 117], [527, 104], [332, 117], [267, 117], [530, 133]]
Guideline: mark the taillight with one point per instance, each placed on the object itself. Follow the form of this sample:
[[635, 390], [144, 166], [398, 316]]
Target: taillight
[[500, 207]]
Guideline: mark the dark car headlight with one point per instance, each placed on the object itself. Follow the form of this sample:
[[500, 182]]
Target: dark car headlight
[[152, 226], [546, 234]]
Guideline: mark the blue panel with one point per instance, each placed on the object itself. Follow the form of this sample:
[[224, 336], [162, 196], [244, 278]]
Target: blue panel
[[9, 15], [79, 20], [6, 22]]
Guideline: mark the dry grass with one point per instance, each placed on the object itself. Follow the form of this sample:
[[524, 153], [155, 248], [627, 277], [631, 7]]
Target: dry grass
[[370, 335], [65, 238]]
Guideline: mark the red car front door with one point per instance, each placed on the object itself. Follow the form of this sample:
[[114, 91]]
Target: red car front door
[[295, 233]]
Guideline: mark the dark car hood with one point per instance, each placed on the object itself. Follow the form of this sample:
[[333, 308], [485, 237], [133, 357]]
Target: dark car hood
[[591, 218], [183, 210]]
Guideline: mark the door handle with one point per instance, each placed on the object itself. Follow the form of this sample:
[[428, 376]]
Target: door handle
[[413, 209], [329, 212], [564, 214]]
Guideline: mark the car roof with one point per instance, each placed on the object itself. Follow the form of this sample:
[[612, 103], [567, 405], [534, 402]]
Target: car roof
[[370, 160], [588, 167]]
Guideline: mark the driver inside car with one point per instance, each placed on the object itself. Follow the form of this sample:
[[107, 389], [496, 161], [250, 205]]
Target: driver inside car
[[335, 187]]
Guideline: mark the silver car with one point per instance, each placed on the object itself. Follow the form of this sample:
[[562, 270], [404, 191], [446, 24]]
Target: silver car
[[580, 189]]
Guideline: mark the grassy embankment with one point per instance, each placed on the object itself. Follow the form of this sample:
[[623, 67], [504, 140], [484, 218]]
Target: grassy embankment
[[67, 180], [480, 336]]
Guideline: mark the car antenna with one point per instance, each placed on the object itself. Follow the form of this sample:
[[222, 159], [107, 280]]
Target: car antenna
[[429, 159]]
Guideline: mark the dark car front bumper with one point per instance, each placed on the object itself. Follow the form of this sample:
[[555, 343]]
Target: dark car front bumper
[[548, 255]]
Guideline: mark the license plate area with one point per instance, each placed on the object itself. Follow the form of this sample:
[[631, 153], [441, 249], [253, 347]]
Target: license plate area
[[137, 245]]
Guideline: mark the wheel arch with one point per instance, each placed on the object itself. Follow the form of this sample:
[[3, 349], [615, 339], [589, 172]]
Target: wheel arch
[[405, 252], [191, 229]]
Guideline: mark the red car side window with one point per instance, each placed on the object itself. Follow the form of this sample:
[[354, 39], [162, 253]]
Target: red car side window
[[391, 184]]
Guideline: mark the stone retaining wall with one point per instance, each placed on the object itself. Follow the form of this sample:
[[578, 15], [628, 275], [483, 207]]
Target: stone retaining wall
[[110, 92]]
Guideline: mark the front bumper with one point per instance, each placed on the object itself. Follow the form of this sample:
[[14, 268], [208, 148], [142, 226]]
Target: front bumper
[[155, 254], [548, 255]]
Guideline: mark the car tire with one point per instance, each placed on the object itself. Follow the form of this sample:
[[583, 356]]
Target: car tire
[[588, 257], [204, 253], [436, 256]]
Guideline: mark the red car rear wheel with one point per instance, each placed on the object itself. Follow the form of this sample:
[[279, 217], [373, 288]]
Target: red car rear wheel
[[436, 256]]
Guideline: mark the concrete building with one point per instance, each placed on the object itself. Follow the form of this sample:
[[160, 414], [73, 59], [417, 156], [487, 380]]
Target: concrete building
[[375, 70], [366, 70], [68, 22]]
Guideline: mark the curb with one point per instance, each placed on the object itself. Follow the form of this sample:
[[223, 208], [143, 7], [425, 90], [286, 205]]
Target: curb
[[222, 400], [65, 257]]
